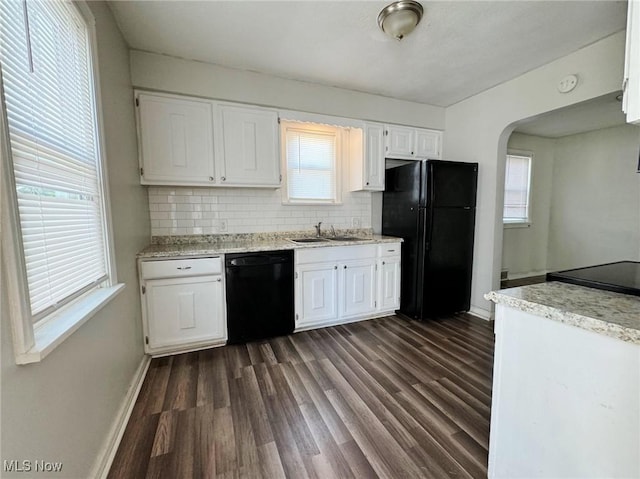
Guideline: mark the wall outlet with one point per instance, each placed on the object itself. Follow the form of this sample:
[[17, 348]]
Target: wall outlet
[[356, 222], [220, 225]]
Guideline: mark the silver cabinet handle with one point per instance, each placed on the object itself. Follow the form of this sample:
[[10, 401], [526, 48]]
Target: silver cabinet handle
[[223, 178], [211, 178], [219, 279], [183, 268]]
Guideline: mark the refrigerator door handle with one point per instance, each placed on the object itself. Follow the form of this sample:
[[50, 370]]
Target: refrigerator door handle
[[426, 228]]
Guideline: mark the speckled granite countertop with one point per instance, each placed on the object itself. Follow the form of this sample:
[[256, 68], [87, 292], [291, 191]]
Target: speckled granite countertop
[[250, 244], [611, 314]]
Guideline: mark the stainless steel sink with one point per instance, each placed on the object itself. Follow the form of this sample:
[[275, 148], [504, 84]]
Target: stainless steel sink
[[308, 240], [345, 238]]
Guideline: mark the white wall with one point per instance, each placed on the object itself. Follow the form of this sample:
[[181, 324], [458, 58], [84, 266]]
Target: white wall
[[62, 408], [477, 129], [163, 73], [524, 250], [595, 212]]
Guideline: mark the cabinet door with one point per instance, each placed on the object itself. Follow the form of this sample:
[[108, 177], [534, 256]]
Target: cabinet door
[[631, 99], [176, 141], [185, 310], [427, 144], [389, 284], [250, 155], [317, 294], [374, 157], [400, 141], [358, 288]]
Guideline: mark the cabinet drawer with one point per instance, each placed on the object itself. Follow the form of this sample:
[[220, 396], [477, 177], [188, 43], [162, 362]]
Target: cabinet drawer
[[334, 253], [177, 268], [389, 249]]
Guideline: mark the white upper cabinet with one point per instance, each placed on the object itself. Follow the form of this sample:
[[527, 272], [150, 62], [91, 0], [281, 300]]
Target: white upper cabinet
[[249, 147], [374, 156], [176, 140], [367, 158], [631, 100], [412, 143], [187, 141], [428, 144], [400, 141]]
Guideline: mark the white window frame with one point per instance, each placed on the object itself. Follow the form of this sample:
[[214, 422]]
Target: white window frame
[[341, 141], [32, 342], [520, 223]]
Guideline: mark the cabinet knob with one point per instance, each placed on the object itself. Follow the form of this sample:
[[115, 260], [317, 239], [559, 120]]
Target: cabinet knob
[[345, 266], [224, 178], [383, 263], [335, 267], [367, 183], [412, 153], [219, 279], [211, 178]]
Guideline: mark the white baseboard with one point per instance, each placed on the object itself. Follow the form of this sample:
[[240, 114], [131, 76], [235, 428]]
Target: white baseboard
[[110, 447], [481, 313]]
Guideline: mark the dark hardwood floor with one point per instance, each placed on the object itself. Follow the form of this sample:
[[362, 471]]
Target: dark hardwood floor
[[383, 398]]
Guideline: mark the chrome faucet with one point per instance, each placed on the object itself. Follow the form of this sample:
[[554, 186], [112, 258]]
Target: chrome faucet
[[317, 227]]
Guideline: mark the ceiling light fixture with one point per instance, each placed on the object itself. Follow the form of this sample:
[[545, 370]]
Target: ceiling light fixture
[[400, 18]]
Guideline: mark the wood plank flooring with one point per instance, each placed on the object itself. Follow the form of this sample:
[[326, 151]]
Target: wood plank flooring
[[388, 398]]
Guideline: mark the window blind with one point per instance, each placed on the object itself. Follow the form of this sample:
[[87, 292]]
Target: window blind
[[49, 99], [311, 165], [516, 189]]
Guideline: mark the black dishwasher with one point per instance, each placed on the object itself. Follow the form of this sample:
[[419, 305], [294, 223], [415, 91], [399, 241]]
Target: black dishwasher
[[259, 295]]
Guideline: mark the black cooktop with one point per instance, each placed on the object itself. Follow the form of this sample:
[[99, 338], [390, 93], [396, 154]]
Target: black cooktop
[[621, 277]]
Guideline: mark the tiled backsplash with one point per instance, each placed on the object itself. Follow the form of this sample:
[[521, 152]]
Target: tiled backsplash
[[192, 211]]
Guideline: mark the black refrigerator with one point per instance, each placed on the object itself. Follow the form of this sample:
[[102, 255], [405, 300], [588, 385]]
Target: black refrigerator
[[432, 205]]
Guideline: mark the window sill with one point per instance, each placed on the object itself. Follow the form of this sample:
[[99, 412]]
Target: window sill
[[64, 323], [311, 203], [517, 225]]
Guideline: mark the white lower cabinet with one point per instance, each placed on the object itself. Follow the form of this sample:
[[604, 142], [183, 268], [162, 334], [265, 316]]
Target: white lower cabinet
[[183, 304], [358, 288], [389, 283], [341, 284], [317, 293]]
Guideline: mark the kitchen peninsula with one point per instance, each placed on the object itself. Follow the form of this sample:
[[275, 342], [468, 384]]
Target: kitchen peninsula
[[566, 384]]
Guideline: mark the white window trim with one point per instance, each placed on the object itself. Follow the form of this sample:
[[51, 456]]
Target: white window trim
[[342, 142], [33, 342], [507, 224]]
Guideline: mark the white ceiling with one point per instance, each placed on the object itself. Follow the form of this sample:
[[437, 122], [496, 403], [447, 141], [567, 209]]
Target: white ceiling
[[461, 47], [603, 112]]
